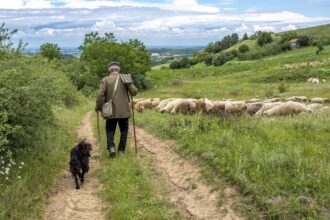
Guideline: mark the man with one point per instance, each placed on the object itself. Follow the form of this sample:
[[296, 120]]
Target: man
[[116, 87]]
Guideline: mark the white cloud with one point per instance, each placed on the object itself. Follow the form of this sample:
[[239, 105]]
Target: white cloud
[[290, 27], [243, 29], [257, 27], [26, 4]]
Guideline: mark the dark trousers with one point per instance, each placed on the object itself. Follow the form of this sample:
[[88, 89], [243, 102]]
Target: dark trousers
[[110, 128]]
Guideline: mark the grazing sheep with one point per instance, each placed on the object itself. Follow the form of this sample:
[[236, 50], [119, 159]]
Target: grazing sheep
[[200, 106], [235, 107], [315, 106], [266, 107], [155, 103], [162, 104], [170, 105], [292, 98], [314, 80], [253, 108], [218, 108], [319, 100], [137, 100], [325, 108], [288, 108], [144, 104], [301, 98], [185, 106]]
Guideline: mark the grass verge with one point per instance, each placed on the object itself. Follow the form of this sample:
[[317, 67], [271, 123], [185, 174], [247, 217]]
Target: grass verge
[[131, 186], [24, 195], [281, 164]]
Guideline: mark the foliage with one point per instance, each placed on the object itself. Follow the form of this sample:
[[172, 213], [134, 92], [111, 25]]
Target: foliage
[[227, 42], [264, 38], [6, 45], [282, 87], [98, 51], [287, 36], [208, 59], [243, 48], [50, 51], [319, 47], [220, 59], [245, 37]]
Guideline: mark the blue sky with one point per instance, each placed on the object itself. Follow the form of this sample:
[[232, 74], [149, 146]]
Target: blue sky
[[166, 22]]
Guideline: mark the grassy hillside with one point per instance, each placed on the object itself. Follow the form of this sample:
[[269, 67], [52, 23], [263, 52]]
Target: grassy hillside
[[314, 32], [246, 79], [281, 165]]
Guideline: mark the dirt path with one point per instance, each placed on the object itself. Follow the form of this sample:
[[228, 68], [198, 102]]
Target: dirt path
[[188, 191], [67, 203]]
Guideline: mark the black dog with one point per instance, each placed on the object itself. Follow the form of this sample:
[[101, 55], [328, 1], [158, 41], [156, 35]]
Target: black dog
[[79, 163]]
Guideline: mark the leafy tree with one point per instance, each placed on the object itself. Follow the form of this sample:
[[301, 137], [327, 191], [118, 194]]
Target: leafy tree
[[209, 47], [304, 40], [98, 51], [208, 59], [243, 48], [175, 64], [234, 39], [245, 36], [50, 51], [264, 38], [287, 36], [220, 59], [6, 45]]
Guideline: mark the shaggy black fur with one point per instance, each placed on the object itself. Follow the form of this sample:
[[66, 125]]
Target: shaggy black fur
[[79, 163]]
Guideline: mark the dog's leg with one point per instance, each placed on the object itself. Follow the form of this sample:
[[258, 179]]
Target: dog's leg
[[77, 183], [82, 176]]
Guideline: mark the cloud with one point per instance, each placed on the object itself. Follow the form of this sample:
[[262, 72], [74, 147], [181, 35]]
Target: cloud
[[243, 29], [264, 28], [290, 27]]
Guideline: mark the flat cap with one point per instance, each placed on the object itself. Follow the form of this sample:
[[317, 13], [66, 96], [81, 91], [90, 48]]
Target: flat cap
[[113, 63]]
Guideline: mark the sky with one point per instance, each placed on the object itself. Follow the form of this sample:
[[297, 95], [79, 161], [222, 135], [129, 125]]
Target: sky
[[156, 22]]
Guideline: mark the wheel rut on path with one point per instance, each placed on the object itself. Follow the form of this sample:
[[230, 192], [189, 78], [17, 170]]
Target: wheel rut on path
[[188, 191], [67, 203]]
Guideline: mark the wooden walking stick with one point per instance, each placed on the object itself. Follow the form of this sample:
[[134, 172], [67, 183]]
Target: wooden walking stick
[[133, 125], [98, 127]]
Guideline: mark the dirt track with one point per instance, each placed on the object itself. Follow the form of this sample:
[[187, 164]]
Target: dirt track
[[188, 191], [67, 203]]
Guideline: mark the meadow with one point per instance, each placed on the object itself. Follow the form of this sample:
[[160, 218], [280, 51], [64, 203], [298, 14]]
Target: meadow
[[281, 165]]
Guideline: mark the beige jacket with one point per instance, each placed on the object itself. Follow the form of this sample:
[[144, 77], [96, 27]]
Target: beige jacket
[[121, 106]]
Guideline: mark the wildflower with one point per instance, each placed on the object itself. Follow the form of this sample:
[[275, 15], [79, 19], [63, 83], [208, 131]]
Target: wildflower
[[22, 163], [19, 177], [20, 167], [7, 178], [7, 170]]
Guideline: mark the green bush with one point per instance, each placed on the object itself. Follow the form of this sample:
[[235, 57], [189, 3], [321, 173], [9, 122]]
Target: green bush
[[208, 59], [243, 48], [50, 51]]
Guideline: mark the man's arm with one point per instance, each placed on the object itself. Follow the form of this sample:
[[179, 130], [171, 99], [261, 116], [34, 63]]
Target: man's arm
[[132, 89], [100, 99]]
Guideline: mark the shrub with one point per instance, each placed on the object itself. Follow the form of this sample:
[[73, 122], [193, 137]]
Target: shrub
[[175, 64], [219, 59], [243, 48], [50, 51], [264, 38], [319, 47], [208, 59]]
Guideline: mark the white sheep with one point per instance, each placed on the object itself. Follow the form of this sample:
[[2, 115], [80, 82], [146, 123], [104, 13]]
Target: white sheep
[[185, 106], [315, 106], [253, 108], [313, 80], [288, 108], [319, 100], [235, 107], [218, 108], [266, 107], [276, 99], [162, 104], [170, 105]]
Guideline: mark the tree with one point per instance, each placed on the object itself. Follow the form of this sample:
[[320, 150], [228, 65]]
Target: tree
[[243, 48], [50, 51], [320, 47], [208, 59], [264, 38], [287, 36], [220, 59], [304, 40], [175, 64], [6, 45], [245, 37], [98, 51], [234, 39]]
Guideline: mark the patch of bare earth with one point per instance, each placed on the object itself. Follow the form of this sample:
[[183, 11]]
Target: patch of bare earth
[[188, 191], [65, 201]]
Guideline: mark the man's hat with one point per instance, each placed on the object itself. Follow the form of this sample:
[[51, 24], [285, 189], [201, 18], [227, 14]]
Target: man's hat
[[114, 63]]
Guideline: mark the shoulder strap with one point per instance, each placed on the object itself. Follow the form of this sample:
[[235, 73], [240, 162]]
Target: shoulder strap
[[125, 84], [116, 85]]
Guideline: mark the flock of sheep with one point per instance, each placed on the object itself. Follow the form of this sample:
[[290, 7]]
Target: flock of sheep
[[315, 80], [270, 107]]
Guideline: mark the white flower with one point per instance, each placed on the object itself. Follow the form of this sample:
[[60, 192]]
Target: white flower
[[19, 177], [6, 178], [20, 167], [22, 163], [7, 170]]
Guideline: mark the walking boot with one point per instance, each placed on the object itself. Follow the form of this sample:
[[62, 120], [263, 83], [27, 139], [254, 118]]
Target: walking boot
[[112, 152]]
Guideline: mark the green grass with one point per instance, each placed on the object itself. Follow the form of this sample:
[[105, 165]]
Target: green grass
[[25, 198], [280, 164], [246, 79], [315, 32], [132, 187]]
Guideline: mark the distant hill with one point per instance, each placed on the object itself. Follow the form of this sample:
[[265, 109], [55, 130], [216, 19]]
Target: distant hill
[[314, 32]]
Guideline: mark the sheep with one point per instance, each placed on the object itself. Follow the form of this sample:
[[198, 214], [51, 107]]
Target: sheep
[[301, 98], [162, 104], [314, 80], [137, 100], [319, 100], [315, 106], [218, 108], [144, 104], [185, 106], [324, 81], [253, 108], [292, 98], [266, 107], [288, 108], [200, 106], [170, 105], [235, 107], [155, 103]]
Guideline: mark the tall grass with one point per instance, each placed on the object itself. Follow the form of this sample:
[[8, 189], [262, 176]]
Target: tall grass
[[23, 196], [132, 187], [282, 164]]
